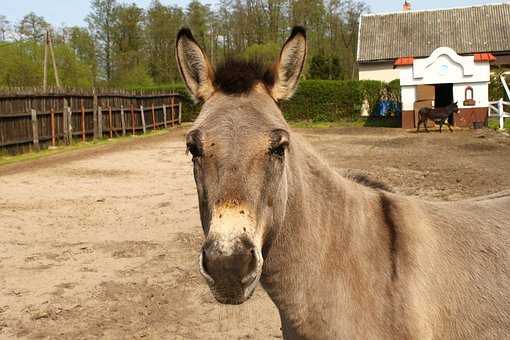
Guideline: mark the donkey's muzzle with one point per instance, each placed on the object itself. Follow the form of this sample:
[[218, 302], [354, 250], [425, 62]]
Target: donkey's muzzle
[[233, 264]]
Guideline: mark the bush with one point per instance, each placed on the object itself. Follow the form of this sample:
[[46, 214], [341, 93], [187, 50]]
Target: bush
[[331, 100], [315, 100], [496, 89]]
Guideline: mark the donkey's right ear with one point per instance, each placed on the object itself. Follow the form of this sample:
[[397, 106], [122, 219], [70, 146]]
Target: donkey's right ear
[[195, 69]]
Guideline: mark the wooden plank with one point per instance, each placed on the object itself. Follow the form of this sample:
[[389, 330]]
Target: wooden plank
[[173, 111], [65, 122], [69, 125], [52, 117], [143, 119], [122, 120], [132, 120], [82, 121], [164, 116], [110, 119], [180, 112], [95, 113], [35, 130], [153, 118], [99, 122]]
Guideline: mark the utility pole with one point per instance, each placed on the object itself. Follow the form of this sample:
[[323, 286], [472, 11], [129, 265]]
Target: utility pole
[[57, 80], [45, 67], [49, 45]]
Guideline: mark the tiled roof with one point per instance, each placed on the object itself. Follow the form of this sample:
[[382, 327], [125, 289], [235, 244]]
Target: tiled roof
[[466, 30]]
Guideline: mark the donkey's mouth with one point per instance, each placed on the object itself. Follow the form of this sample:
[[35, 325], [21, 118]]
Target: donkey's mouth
[[234, 294], [231, 286]]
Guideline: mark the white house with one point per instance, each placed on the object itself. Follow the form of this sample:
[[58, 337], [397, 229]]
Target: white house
[[439, 56]]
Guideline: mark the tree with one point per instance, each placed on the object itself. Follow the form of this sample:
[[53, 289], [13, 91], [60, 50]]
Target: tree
[[4, 27], [100, 21], [197, 19], [32, 27], [82, 43], [161, 26], [128, 41]]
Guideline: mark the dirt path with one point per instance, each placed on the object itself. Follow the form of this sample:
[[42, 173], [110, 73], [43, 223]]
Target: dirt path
[[104, 243]]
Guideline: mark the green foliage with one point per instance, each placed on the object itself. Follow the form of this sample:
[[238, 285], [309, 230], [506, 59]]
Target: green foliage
[[315, 100], [161, 26], [266, 54], [21, 65], [330, 100], [32, 27], [394, 89], [496, 89], [323, 67]]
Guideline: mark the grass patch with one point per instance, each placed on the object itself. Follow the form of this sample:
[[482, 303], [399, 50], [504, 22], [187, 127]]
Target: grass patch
[[309, 124], [76, 145], [493, 123], [347, 123]]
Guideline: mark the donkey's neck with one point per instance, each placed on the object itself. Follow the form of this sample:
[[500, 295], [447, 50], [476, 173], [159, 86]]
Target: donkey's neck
[[326, 227]]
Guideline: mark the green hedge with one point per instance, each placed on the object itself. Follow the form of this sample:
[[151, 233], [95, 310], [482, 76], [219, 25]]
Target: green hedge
[[317, 100], [330, 100]]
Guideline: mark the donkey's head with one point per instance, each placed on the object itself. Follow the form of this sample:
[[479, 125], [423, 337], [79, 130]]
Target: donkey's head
[[240, 144]]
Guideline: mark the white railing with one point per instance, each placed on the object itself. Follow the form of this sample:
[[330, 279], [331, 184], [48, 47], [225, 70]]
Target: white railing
[[505, 85], [497, 109]]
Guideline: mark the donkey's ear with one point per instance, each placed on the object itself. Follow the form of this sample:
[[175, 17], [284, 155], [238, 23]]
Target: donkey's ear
[[290, 65], [195, 69]]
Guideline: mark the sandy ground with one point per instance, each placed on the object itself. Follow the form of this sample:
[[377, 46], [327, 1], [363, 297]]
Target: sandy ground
[[104, 242]]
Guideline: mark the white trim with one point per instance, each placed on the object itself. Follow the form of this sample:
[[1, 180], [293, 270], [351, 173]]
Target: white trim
[[432, 9], [466, 63], [359, 38]]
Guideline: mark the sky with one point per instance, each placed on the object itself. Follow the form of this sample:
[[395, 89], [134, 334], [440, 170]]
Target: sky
[[73, 12]]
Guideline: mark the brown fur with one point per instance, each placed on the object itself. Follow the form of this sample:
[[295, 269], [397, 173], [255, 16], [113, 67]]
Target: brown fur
[[341, 260]]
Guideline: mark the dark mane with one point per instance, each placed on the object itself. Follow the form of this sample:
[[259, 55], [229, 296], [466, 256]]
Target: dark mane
[[239, 76], [369, 182]]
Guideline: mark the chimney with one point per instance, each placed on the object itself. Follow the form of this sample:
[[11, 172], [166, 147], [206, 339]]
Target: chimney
[[406, 7]]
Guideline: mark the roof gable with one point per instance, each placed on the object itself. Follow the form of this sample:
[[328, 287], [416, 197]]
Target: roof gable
[[417, 33]]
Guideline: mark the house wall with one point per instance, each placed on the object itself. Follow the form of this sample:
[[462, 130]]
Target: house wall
[[378, 71]]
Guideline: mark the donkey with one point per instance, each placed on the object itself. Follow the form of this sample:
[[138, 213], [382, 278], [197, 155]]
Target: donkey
[[440, 116], [340, 260]]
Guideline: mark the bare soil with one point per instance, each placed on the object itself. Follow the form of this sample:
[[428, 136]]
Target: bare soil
[[104, 242]]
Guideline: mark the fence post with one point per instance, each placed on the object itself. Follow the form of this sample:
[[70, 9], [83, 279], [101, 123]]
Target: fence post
[[153, 118], [133, 120], [65, 122], [94, 114], [143, 119], [69, 124], [122, 120], [52, 122], [35, 129], [82, 122], [180, 112], [164, 115], [99, 122], [500, 111], [110, 120], [172, 103]]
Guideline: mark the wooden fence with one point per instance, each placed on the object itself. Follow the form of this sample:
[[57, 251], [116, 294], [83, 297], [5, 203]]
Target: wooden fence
[[497, 109], [32, 121]]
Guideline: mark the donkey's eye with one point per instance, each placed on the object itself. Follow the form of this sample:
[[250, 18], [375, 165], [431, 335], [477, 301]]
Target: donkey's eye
[[279, 142], [194, 149], [278, 151]]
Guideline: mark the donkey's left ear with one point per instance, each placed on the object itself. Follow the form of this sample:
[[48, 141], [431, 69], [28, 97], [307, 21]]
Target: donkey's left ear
[[290, 65], [194, 67]]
